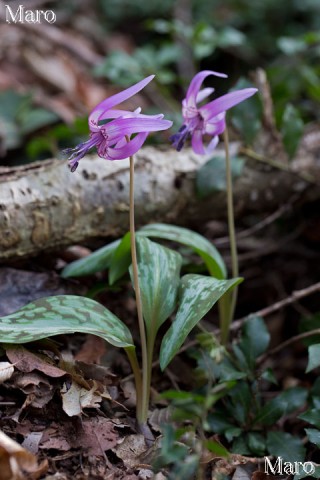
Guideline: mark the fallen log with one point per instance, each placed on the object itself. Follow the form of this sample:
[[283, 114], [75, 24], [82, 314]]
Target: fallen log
[[43, 206]]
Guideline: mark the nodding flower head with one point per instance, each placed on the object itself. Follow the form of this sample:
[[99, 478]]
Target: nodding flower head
[[111, 130], [208, 119]]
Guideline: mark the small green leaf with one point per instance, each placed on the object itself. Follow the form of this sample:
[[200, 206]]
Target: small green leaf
[[63, 314], [198, 243], [211, 177], [96, 262], [286, 402], [286, 446], [240, 402], [256, 336], [314, 357], [292, 129], [197, 296], [159, 275], [256, 443], [216, 448], [313, 435], [255, 339], [269, 376], [121, 259], [311, 416]]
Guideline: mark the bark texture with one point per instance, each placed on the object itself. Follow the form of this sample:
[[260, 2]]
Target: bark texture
[[44, 206]]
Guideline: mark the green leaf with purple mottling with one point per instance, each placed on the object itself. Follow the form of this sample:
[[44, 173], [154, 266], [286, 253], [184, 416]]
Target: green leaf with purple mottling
[[62, 314]]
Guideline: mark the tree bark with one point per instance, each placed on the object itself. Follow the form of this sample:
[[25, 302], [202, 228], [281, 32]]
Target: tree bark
[[44, 206]]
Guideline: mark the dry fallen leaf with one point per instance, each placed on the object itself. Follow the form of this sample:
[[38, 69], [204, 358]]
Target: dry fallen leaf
[[76, 398], [27, 361], [6, 371], [38, 388], [16, 462], [130, 449]]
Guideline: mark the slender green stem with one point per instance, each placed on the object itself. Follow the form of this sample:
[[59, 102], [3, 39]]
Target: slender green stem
[[233, 242], [143, 413]]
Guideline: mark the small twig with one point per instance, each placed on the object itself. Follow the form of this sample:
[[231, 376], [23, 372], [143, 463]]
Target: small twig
[[264, 312], [288, 342], [260, 225], [279, 165]]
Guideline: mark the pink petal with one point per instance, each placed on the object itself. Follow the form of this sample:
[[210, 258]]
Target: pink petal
[[129, 149], [121, 127], [197, 143], [196, 82], [221, 104], [216, 125], [110, 102], [110, 114]]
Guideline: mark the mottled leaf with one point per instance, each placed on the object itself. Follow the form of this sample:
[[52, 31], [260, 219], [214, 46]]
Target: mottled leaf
[[63, 314], [198, 243], [121, 259], [159, 275], [197, 295], [96, 262]]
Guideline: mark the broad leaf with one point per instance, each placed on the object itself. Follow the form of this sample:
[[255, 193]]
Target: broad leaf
[[197, 295], [121, 259], [314, 357], [286, 446], [198, 243], [63, 314], [159, 275], [96, 262]]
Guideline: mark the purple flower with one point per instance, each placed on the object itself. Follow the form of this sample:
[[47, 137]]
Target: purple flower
[[209, 119], [113, 139]]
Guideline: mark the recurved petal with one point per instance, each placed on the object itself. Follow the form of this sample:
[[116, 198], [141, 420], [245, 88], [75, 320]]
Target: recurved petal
[[197, 143], [129, 149], [110, 102], [195, 85], [114, 113], [121, 127], [225, 102]]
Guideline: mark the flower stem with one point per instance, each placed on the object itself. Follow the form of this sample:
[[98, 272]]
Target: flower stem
[[142, 408], [233, 243]]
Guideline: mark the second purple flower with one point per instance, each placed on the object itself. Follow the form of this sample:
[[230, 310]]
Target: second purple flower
[[208, 119]]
